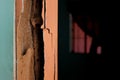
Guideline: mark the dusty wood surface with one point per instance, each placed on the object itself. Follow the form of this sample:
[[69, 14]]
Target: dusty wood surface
[[30, 51]]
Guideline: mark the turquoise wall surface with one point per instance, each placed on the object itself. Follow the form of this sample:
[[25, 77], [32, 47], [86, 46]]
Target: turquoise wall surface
[[6, 39]]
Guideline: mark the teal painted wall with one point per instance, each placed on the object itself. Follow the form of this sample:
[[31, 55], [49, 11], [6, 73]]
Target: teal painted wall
[[6, 39]]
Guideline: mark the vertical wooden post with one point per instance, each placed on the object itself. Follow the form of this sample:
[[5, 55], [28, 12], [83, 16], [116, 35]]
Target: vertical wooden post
[[51, 40], [29, 38], [33, 43]]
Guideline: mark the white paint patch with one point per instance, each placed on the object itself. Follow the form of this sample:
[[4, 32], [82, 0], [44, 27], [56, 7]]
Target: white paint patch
[[14, 40]]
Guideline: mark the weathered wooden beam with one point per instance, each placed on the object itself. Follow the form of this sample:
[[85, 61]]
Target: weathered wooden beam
[[29, 38]]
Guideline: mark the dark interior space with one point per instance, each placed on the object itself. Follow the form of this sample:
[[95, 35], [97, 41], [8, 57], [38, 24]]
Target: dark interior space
[[77, 66]]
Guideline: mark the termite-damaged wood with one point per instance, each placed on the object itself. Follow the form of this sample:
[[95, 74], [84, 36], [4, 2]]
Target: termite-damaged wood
[[30, 47]]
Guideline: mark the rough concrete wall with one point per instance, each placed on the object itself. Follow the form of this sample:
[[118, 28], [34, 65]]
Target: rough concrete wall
[[30, 47]]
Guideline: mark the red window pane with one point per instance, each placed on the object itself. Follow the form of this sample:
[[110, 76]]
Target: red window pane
[[80, 44]]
